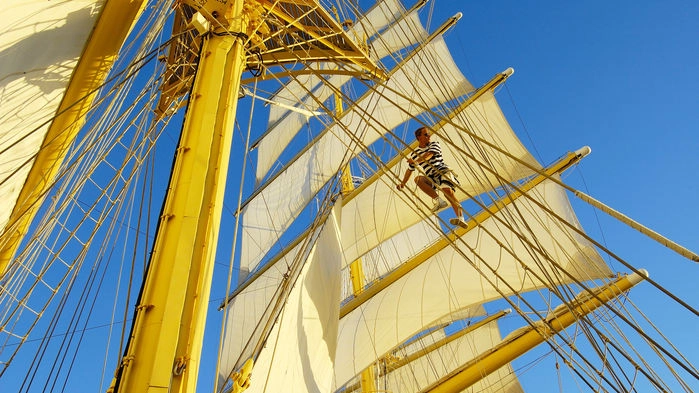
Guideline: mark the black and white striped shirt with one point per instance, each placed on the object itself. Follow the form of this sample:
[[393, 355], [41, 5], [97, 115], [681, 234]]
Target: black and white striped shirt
[[435, 164]]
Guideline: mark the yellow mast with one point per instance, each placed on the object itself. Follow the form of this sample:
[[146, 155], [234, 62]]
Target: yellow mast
[[166, 339]]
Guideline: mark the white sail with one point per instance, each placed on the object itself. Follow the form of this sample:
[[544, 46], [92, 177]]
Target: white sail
[[303, 340], [33, 79], [271, 212], [429, 368], [449, 281], [391, 253], [379, 212]]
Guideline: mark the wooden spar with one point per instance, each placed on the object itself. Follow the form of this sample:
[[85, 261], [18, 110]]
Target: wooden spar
[[537, 333], [115, 21], [443, 242]]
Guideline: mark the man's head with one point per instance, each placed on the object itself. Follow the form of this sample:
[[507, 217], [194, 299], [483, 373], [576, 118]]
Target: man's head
[[422, 134]]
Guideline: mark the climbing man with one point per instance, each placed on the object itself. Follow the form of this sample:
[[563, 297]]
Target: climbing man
[[438, 175]]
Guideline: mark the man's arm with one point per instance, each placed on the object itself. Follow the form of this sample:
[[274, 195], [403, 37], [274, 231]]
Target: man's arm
[[406, 177]]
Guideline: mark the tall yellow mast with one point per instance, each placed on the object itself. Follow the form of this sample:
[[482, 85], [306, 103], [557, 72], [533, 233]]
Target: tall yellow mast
[[167, 334], [168, 327]]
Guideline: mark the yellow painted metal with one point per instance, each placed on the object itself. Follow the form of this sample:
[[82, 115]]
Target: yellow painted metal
[[326, 34], [445, 241], [357, 275], [114, 24], [166, 340], [486, 363], [367, 380], [356, 269], [241, 379]]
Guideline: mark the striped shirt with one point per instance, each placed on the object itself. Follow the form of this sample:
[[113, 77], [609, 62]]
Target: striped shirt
[[435, 164]]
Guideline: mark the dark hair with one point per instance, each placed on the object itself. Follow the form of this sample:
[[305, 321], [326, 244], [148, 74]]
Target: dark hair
[[419, 130]]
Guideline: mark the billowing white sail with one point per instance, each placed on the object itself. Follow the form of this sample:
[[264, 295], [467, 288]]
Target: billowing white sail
[[406, 94], [40, 44], [392, 252], [452, 280], [299, 352]]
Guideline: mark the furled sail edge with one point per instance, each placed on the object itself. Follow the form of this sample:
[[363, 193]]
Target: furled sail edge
[[481, 248], [405, 32], [319, 279], [352, 133]]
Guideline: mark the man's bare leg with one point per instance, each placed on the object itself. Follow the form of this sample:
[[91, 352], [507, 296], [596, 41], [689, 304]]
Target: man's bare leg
[[456, 205], [426, 186], [449, 194]]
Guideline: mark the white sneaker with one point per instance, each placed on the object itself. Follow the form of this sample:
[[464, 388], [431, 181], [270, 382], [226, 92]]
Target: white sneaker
[[439, 204], [459, 221]]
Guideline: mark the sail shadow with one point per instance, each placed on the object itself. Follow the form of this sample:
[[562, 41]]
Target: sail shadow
[[44, 59]]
